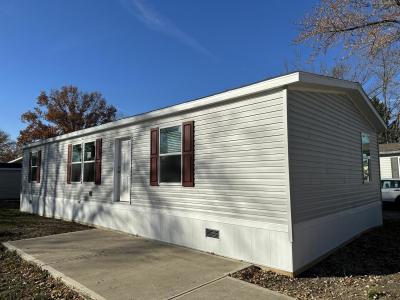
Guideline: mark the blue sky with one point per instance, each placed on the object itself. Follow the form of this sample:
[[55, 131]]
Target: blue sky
[[140, 54]]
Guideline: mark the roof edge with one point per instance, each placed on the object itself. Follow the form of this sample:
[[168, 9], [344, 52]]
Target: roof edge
[[221, 97], [345, 84], [218, 98]]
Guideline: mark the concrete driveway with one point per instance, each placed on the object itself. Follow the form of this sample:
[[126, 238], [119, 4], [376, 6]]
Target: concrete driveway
[[110, 265]]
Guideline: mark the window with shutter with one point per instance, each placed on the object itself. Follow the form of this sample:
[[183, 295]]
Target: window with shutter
[[30, 167], [154, 156], [170, 155], [188, 154], [69, 164], [39, 163], [99, 150]]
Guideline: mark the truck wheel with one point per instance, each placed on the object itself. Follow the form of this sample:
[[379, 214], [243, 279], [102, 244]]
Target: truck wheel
[[397, 202]]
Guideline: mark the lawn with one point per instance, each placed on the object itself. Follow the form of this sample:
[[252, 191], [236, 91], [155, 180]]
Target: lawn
[[20, 279], [367, 268]]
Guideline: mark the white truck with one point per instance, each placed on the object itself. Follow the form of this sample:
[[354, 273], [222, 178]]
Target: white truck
[[391, 190]]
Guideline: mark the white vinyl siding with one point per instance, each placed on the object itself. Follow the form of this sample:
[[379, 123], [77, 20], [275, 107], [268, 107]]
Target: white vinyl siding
[[325, 155], [239, 163], [386, 166]]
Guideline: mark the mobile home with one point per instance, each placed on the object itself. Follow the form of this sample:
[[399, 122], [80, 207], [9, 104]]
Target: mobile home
[[274, 173], [390, 160]]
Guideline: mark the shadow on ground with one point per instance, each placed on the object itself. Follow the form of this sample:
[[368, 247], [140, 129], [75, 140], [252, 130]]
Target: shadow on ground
[[376, 252]]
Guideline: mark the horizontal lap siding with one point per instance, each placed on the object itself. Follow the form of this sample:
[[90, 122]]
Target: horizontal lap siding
[[325, 155], [239, 163], [386, 166]]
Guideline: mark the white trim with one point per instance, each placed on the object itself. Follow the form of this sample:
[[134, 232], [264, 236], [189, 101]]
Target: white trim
[[287, 162], [274, 83], [15, 160]]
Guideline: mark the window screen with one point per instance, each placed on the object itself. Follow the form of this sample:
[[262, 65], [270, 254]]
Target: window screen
[[88, 162], [76, 168], [34, 162], [170, 154]]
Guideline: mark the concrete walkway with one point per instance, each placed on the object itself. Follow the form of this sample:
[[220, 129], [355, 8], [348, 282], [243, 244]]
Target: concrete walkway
[[109, 265]]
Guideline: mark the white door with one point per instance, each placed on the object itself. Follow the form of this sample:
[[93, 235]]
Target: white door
[[124, 169]]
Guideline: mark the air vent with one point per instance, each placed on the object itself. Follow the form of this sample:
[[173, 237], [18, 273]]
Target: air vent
[[212, 233]]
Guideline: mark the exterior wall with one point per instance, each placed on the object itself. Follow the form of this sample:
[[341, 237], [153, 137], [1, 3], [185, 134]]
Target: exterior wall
[[327, 191], [386, 166], [10, 183], [240, 183]]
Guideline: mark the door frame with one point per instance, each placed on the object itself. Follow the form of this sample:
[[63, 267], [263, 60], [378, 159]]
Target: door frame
[[116, 184]]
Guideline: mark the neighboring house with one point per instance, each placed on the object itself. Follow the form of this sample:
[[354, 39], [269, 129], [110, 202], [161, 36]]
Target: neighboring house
[[390, 160], [277, 173], [10, 181]]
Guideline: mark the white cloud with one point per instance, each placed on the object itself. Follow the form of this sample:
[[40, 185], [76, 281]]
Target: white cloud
[[155, 21]]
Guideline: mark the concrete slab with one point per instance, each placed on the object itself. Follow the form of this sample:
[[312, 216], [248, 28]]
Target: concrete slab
[[231, 288], [119, 266]]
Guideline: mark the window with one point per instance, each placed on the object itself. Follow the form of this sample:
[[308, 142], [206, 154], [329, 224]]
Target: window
[[34, 166], [83, 162], [366, 158], [76, 163], [88, 162], [390, 184], [170, 154]]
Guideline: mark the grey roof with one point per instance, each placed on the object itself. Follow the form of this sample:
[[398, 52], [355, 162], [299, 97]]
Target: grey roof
[[392, 148]]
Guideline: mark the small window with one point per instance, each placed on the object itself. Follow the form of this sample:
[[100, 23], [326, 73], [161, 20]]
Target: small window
[[88, 162], [366, 158], [34, 166], [76, 168], [170, 154]]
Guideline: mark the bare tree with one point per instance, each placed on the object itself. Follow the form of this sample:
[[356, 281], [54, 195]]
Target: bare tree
[[364, 27], [369, 33], [8, 147]]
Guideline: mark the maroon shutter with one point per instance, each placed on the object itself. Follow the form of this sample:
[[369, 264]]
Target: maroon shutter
[[69, 164], [29, 167], [188, 154], [97, 168], [154, 156], [38, 163]]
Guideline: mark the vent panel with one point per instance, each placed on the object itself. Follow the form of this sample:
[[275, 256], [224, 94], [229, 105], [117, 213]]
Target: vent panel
[[212, 233]]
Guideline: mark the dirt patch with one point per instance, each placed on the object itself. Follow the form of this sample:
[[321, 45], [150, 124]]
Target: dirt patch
[[367, 268], [15, 225], [20, 279]]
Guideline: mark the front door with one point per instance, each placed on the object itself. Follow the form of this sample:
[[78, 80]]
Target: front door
[[124, 169]]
